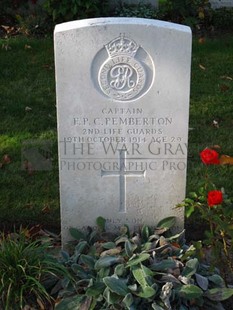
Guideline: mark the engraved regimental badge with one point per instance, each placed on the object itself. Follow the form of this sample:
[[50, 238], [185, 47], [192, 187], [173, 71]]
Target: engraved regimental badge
[[122, 76]]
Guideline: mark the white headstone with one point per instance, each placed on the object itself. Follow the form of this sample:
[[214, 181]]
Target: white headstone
[[123, 103], [216, 4]]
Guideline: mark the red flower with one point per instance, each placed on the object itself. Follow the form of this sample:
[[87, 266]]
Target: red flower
[[210, 157], [214, 198]]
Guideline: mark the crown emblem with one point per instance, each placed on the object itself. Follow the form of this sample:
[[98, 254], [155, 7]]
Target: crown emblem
[[122, 46]]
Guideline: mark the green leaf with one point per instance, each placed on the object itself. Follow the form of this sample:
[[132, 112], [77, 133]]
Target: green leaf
[[147, 292], [219, 294], [139, 276], [109, 245], [202, 281], [111, 297], [101, 222], [190, 291], [82, 282], [147, 246], [107, 261], [137, 258], [116, 285], [128, 248], [80, 271], [167, 222], [88, 260], [128, 300], [92, 236], [193, 195], [92, 305], [65, 255], [77, 234], [71, 303], [147, 271], [80, 247], [153, 237], [120, 270], [189, 200], [154, 286], [167, 277], [157, 307], [217, 280], [121, 240], [145, 233], [96, 289], [190, 268], [189, 252], [176, 236], [124, 230], [65, 283], [189, 210], [103, 272], [111, 252], [163, 265]]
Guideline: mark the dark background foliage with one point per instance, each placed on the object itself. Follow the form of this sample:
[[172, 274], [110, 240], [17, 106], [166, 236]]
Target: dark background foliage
[[38, 17]]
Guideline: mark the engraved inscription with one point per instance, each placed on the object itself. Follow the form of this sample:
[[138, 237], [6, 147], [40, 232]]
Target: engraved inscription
[[122, 77]]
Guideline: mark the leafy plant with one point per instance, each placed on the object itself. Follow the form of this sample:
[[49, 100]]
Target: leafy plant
[[222, 18], [11, 8], [216, 209], [194, 13], [27, 272], [62, 11], [151, 269], [34, 21], [136, 10]]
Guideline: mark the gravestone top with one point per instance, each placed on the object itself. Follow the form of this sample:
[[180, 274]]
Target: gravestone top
[[122, 89], [102, 21]]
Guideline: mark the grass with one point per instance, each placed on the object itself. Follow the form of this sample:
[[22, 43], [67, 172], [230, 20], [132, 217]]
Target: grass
[[211, 100], [28, 112], [27, 271]]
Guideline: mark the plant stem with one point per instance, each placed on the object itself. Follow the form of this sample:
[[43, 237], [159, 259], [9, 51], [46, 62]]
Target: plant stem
[[226, 252]]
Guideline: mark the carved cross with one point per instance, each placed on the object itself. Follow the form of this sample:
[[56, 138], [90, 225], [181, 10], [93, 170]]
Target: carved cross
[[122, 174]]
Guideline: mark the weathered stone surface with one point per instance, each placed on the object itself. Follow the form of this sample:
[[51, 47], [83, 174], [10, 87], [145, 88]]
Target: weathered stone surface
[[123, 103]]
